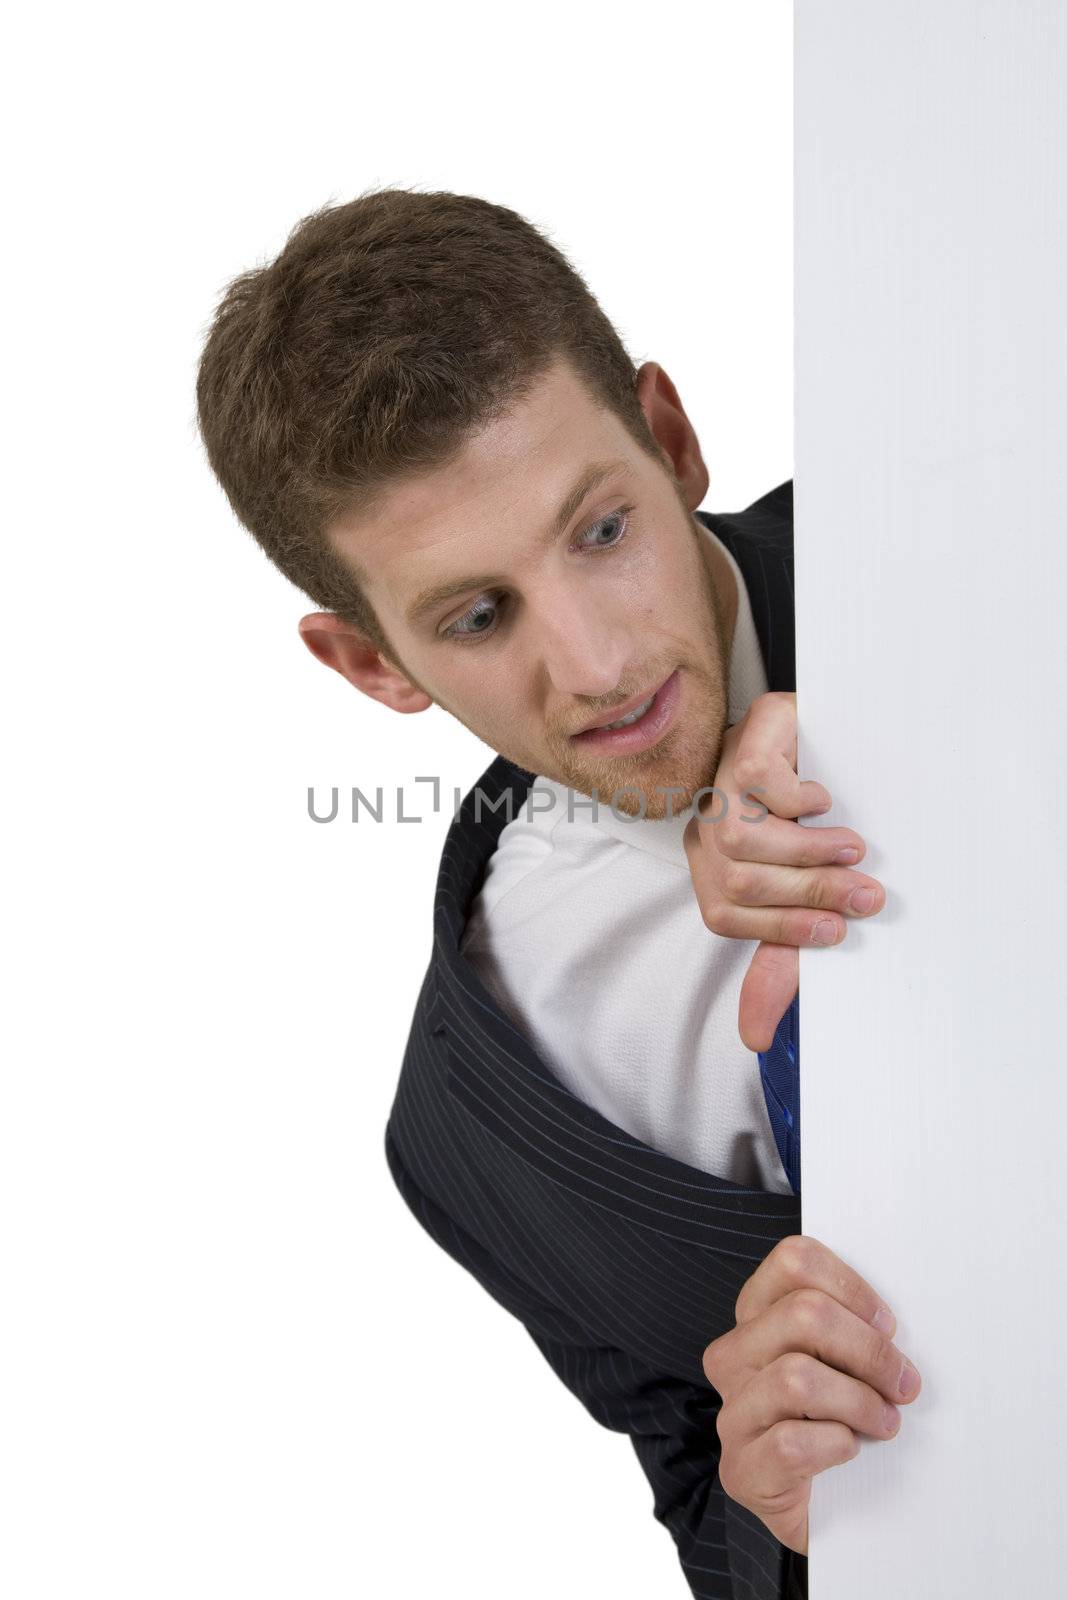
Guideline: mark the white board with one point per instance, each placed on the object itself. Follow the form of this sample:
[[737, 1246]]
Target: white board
[[931, 503]]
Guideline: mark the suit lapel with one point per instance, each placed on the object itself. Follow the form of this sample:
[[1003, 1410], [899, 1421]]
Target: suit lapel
[[492, 1068]]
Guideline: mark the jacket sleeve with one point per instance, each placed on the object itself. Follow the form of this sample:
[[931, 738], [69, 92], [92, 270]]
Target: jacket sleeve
[[725, 1551]]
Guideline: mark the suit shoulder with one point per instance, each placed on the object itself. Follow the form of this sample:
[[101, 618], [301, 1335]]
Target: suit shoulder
[[776, 503], [767, 523]]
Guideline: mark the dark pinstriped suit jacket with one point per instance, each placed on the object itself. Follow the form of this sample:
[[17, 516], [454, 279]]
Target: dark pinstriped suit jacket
[[622, 1263]]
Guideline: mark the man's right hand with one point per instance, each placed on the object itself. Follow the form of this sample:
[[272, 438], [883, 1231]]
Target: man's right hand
[[809, 1366]]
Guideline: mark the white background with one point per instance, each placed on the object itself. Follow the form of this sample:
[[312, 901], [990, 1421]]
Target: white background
[[232, 1363]]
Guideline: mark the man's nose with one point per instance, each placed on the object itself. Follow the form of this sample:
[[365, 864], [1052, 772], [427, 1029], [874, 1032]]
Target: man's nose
[[585, 651]]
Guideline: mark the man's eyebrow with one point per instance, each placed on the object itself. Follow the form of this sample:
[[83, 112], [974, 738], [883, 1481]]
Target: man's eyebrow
[[591, 478]]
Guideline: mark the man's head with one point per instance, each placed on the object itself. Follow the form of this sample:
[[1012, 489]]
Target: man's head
[[408, 408]]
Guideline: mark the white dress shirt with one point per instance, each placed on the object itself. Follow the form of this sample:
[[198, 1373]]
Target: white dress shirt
[[588, 934]]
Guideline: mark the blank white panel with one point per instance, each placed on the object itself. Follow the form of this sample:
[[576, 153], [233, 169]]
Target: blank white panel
[[930, 492]]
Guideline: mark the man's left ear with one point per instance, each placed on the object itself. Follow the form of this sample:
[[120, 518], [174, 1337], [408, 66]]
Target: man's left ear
[[673, 430], [339, 645]]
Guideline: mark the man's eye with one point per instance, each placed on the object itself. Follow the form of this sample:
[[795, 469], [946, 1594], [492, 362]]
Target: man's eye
[[481, 618], [614, 525]]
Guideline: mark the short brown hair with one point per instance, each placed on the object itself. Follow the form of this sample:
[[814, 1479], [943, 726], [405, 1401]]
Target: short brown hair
[[385, 331]]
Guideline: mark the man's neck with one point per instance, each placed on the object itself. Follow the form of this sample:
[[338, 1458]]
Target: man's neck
[[725, 586]]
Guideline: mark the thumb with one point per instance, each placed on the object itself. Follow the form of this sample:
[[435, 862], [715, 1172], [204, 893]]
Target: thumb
[[771, 981]]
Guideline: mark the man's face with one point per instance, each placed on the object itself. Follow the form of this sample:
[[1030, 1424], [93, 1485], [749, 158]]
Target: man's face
[[528, 625]]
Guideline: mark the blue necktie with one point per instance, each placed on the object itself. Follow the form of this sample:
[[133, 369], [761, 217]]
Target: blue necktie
[[779, 1069]]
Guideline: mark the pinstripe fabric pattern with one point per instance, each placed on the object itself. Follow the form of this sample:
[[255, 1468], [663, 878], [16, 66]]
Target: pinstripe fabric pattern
[[621, 1262]]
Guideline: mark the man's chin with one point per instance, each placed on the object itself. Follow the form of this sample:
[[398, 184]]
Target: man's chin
[[656, 783], [653, 790], [653, 803]]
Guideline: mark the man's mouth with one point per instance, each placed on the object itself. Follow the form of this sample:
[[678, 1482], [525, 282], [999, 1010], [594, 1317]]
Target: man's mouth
[[624, 722], [641, 723]]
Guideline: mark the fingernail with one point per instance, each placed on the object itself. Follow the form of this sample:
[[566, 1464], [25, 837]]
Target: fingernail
[[847, 856], [884, 1320], [824, 932], [908, 1382], [892, 1418], [862, 899]]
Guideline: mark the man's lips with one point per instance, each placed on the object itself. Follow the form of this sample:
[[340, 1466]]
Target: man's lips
[[649, 728], [621, 710]]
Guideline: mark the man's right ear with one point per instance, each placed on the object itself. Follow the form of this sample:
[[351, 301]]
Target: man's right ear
[[351, 653]]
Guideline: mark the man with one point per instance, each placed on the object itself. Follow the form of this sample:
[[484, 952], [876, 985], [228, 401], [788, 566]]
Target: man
[[427, 421]]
